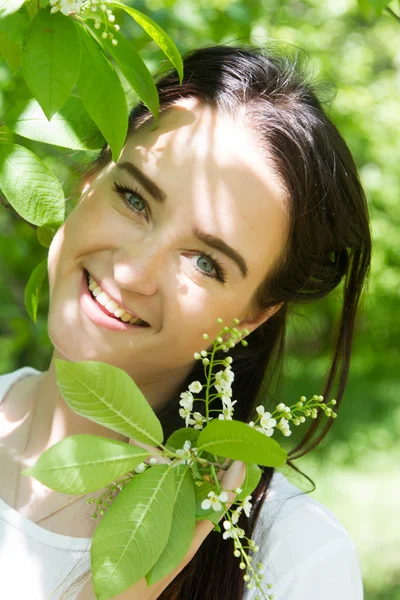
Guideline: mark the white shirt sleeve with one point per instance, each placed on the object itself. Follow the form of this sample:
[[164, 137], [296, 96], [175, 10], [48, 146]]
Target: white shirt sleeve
[[306, 551], [332, 572]]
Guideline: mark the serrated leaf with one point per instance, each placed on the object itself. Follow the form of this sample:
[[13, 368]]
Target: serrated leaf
[[161, 38], [135, 71], [8, 7], [33, 289], [251, 481], [107, 395], [30, 187], [182, 528], [102, 93], [237, 440], [51, 59], [84, 463], [70, 127], [177, 439], [134, 531]]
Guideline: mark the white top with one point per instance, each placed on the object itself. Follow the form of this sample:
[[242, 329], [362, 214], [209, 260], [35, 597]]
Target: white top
[[307, 553]]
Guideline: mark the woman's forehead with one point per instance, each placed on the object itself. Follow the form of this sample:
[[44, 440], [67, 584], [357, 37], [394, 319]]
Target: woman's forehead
[[211, 162]]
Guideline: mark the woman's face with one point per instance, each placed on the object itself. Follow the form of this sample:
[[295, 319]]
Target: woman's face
[[147, 256]]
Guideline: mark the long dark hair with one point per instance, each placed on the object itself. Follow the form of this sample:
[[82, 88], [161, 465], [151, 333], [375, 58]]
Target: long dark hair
[[329, 243]]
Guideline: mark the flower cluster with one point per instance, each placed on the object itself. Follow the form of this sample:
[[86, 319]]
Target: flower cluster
[[204, 470], [267, 421], [187, 406], [186, 454], [253, 576], [66, 6], [90, 9]]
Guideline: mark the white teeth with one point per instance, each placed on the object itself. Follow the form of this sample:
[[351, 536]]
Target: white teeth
[[102, 298], [105, 300], [111, 306]]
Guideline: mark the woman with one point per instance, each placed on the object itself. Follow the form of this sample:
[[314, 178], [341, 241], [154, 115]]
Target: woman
[[243, 200]]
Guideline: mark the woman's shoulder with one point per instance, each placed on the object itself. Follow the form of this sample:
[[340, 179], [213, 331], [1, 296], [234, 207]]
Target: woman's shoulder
[[303, 545], [8, 379]]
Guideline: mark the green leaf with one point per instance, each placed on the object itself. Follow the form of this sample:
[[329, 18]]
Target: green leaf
[[51, 59], [107, 395], [161, 38], [371, 9], [182, 528], [177, 439], [379, 5], [45, 236], [70, 127], [102, 93], [8, 7], [235, 439], [11, 52], [134, 531], [251, 481], [6, 136], [85, 463], [15, 26], [135, 71], [33, 288], [30, 187]]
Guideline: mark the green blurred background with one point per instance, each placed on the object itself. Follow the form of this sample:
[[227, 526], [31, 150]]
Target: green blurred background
[[356, 468]]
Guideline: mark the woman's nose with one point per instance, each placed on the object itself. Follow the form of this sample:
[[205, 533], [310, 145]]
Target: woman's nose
[[138, 270]]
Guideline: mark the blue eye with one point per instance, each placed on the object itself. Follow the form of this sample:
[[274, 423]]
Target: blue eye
[[144, 211], [133, 203], [215, 264]]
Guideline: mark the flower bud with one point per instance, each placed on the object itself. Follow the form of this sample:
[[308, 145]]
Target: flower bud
[[205, 336], [220, 321]]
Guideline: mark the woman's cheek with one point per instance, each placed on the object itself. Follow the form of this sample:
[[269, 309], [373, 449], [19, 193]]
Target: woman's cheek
[[54, 254]]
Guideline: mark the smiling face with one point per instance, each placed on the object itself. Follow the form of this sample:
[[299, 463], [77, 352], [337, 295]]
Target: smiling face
[[147, 255]]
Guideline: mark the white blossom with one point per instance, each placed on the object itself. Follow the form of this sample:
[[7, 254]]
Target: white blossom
[[185, 414], [227, 409], [141, 468], [198, 420], [247, 506], [187, 400], [284, 426], [235, 514], [214, 501], [186, 453], [195, 387], [234, 532], [66, 6]]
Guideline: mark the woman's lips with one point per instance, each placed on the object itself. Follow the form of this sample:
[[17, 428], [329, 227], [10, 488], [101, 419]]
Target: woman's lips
[[99, 314]]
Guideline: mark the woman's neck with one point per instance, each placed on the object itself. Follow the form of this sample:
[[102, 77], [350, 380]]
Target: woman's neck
[[54, 420]]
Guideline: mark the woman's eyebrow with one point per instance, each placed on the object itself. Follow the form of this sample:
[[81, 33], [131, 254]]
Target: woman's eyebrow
[[147, 183], [207, 238]]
